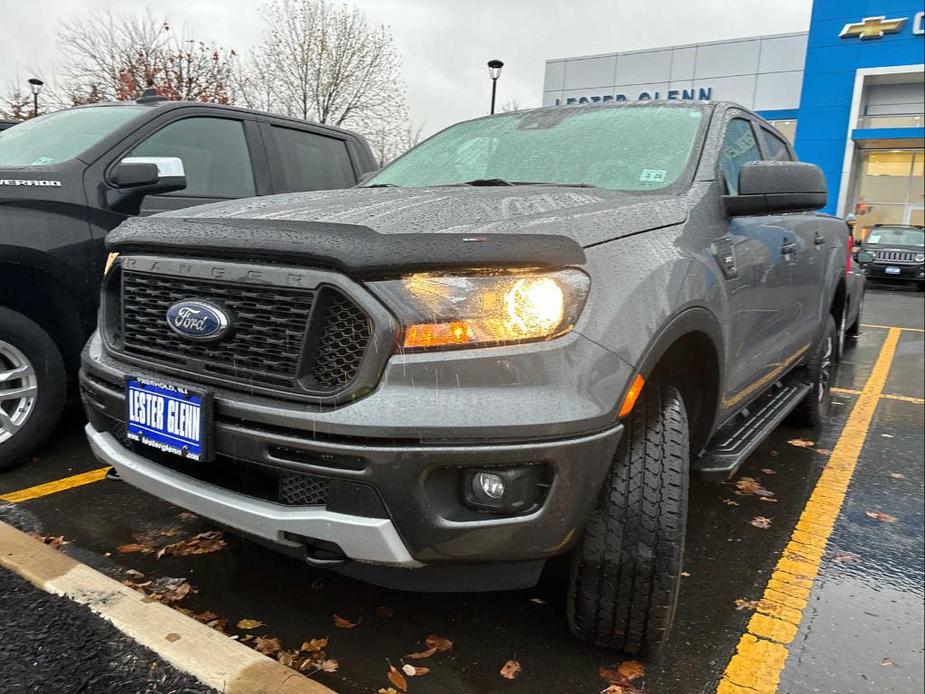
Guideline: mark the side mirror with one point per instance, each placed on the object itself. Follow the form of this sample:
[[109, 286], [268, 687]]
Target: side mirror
[[136, 177], [773, 187], [865, 258], [365, 177]]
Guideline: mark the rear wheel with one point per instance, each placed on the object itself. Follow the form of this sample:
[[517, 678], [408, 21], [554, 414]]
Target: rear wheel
[[820, 372], [626, 568], [32, 386]]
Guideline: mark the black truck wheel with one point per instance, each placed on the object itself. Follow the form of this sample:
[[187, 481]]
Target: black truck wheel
[[626, 569], [32, 386], [819, 373]]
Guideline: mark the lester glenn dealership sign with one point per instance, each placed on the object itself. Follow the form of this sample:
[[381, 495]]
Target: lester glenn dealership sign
[[700, 94]]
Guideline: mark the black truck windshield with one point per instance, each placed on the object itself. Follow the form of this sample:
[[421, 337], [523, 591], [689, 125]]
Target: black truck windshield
[[632, 147], [60, 136]]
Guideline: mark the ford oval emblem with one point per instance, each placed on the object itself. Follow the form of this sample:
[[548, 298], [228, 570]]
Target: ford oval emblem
[[198, 320]]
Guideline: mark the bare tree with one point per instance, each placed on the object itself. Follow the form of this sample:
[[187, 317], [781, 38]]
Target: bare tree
[[17, 104], [114, 57], [326, 63], [512, 105]]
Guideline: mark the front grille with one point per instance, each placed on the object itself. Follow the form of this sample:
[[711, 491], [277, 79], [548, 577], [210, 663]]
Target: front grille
[[301, 489], [295, 340], [895, 256]]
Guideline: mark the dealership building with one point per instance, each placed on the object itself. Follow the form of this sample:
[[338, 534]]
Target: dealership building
[[849, 93]]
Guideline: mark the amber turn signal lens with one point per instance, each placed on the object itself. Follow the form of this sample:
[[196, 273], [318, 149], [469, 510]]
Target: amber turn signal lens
[[437, 334], [110, 259], [632, 395]]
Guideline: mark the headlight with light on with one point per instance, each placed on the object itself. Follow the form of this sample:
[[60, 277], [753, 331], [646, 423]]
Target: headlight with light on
[[452, 311]]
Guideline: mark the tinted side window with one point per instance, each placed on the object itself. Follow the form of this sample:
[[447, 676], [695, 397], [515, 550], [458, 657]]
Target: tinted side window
[[214, 153], [775, 147], [739, 148], [313, 162]]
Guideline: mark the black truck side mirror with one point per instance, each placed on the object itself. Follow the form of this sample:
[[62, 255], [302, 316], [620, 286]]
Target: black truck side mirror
[[773, 187], [136, 177]]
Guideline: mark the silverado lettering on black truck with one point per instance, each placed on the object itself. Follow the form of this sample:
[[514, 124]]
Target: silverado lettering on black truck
[[516, 341], [68, 178]]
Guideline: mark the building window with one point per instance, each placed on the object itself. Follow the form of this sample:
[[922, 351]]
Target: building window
[[890, 187], [787, 128]]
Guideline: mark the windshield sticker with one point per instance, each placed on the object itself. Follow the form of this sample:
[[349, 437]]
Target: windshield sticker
[[652, 176], [28, 182], [42, 161], [873, 238]]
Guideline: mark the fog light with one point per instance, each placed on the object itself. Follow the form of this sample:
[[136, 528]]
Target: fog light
[[503, 490], [491, 485]]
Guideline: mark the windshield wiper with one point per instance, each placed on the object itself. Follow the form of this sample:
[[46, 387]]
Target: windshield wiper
[[381, 185], [504, 182]]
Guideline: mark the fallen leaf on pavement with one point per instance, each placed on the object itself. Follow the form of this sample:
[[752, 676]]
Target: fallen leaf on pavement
[[510, 670], [631, 670], [897, 476], [730, 502], [396, 678], [134, 574], [421, 654], [768, 499], [53, 541], [768, 471], [440, 643], [170, 638], [880, 516], [685, 574], [286, 658], [314, 645], [268, 645], [801, 443], [390, 690], [249, 624], [823, 451], [328, 665], [538, 601], [342, 623], [385, 612], [761, 522], [888, 662], [743, 604], [203, 543], [414, 671], [132, 547], [846, 556], [746, 486], [187, 516]]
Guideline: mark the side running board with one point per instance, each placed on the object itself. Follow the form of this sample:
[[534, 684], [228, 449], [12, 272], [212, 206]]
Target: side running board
[[732, 444]]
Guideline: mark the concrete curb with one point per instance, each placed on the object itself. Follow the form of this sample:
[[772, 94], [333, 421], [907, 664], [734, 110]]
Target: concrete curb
[[194, 648]]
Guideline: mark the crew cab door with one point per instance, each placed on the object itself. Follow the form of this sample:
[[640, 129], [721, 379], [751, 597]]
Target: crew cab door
[[302, 158], [757, 255], [221, 155]]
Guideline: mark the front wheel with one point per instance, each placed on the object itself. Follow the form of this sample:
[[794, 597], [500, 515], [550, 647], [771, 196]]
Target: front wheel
[[32, 386], [626, 568], [820, 372]]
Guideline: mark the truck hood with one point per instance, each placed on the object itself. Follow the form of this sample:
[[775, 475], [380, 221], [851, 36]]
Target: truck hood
[[587, 215]]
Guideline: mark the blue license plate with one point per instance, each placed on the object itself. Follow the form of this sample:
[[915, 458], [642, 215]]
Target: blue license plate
[[892, 270], [168, 417]]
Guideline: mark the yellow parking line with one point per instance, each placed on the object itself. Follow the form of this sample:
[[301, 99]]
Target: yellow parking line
[[762, 651], [889, 396], [56, 486], [892, 327]]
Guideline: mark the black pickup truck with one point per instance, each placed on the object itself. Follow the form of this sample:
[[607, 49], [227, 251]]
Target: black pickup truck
[[69, 177], [516, 341]]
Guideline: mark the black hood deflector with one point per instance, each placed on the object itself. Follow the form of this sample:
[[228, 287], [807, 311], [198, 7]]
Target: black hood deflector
[[351, 248]]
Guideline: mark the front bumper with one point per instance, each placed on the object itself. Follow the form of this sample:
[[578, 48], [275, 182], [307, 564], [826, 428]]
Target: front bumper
[[907, 273], [399, 502]]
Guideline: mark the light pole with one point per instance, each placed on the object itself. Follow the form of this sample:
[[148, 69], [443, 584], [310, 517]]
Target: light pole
[[494, 71], [36, 84]]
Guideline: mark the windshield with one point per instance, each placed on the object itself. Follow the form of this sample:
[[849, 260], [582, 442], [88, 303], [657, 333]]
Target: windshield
[[622, 148], [896, 236], [62, 135]]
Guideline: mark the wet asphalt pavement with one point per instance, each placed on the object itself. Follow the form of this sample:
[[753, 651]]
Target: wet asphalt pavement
[[862, 630]]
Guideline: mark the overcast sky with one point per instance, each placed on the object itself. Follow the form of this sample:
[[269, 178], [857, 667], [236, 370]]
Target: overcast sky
[[444, 44]]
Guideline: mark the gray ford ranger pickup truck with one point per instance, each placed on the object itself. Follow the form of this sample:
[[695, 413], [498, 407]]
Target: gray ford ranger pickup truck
[[516, 341]]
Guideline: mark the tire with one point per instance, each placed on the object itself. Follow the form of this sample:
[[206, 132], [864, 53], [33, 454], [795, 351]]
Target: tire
[[626, 569], [31, 364], [820, 372]]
